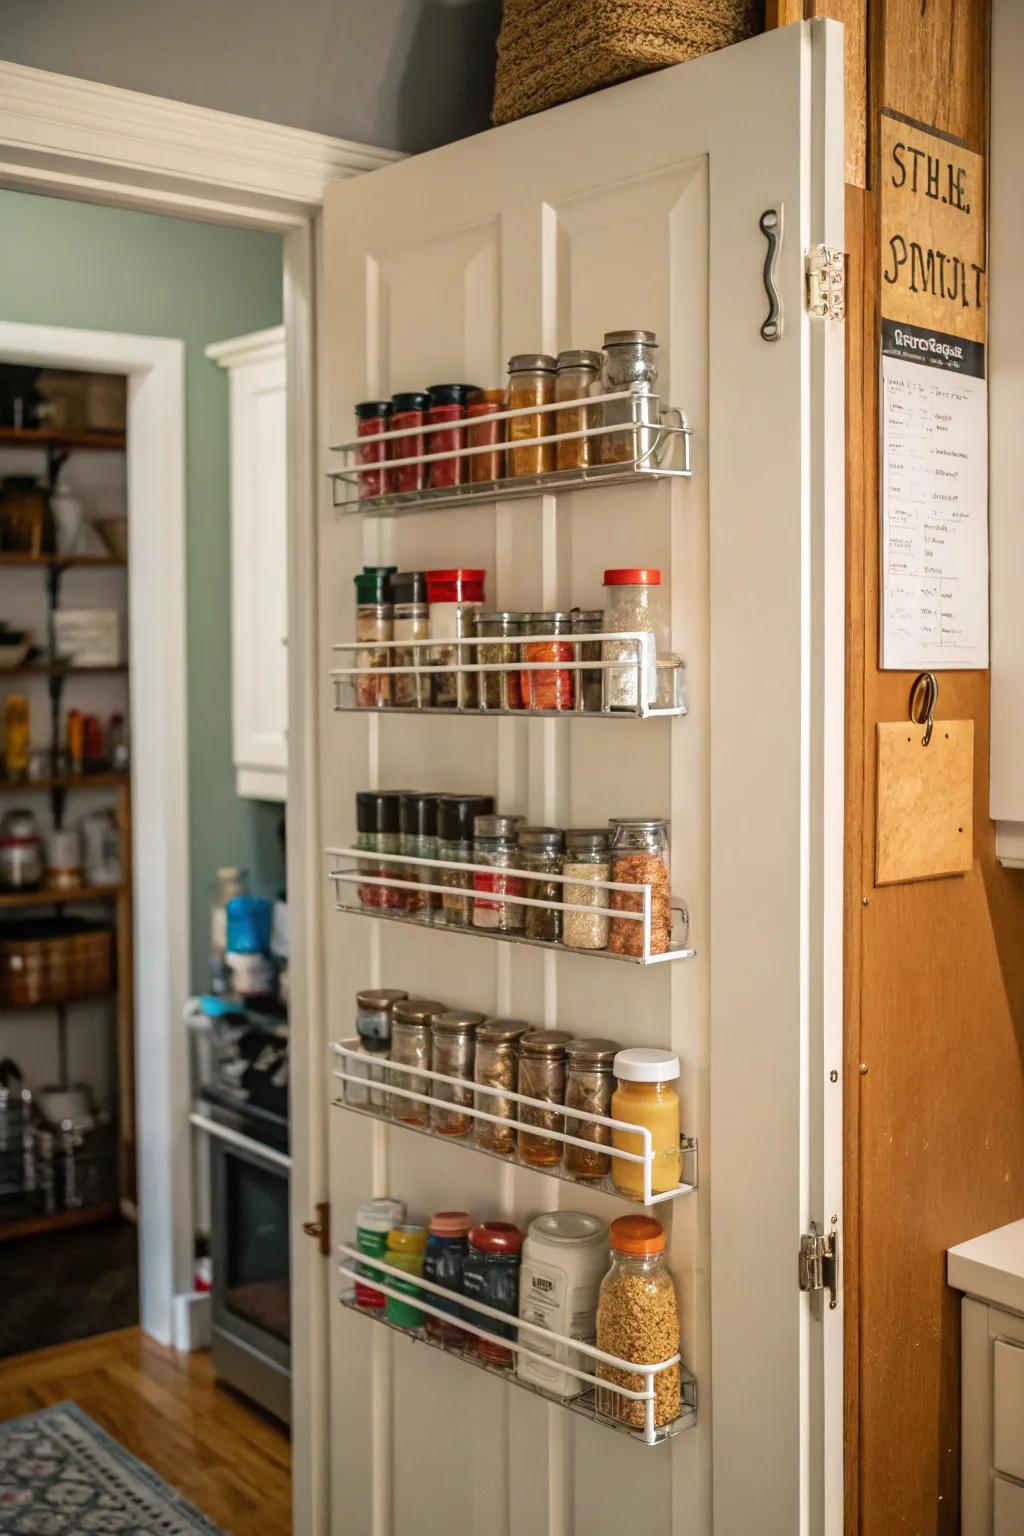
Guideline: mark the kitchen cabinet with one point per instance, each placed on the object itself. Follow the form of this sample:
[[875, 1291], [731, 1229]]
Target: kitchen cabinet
[[639, 206], [259, 564]]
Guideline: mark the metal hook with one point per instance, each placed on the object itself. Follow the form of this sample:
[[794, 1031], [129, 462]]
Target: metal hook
[[924, 695], [770, 225]]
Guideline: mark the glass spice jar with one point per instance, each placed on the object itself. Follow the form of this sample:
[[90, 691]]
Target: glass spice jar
[[373, 1026], [531, 381], [456, 815], [635, 602], [453, 1035], [638, 1320], [448, 404], [411, 621], [497, 1066], [409, 412], [490, 1273], [411, 1046], [541, 851], [372, 418], [378, 830], [374, 623], [542, 1076], [589, 1086], [630, 362], [500, 690], [589, 683], [484, 467], [494, 844], [455, 597], [552, 687], [640, 856], [578, 376], [587, 861], [417, 815]]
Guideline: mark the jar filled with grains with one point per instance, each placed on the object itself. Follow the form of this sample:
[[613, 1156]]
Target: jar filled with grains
[[552, 687], [587, 860], [578, 376], [640, 856], [497, 1066], [634, 602], [589, 1086], [411, 1021], [374, 623], [500, 690], [531, 381], [638, 1320], [494, 844], [589, 683], [456, 815], [411, 621], [542, 1076], [453, 1051], [541, 850], [418, 824]]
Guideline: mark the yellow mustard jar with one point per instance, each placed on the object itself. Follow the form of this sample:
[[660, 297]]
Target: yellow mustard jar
[[644, 1096]]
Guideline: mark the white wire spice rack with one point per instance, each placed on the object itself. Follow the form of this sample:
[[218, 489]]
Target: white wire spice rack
[[356, 1265], [349, 868], [361, 687], [413, 1085], [660, 449]]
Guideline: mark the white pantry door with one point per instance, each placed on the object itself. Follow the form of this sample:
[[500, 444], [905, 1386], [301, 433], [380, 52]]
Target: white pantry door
[[637, 206]]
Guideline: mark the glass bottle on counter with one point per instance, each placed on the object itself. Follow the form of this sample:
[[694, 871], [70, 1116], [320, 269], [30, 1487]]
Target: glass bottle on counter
[[411, 1046], [541, 852], [638, 1320], [630, 362], [418, 826], [378, 830], [456, 815], [634, 601], [645, 1096], [589, 1086], [542, 1076], [409, 411], [494, 843], [484, 467], [589, 683], [640, 856], [587, 861], [497, 1066], [456, 597], [453, 1034], [411, 621], [500, 690], [531, 381], [372, 418], [552, 687], [578, 376]]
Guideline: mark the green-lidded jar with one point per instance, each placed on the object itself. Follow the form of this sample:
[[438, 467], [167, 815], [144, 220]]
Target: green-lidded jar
[[407, 1244]]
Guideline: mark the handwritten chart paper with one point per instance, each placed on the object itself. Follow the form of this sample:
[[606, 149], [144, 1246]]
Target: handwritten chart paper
[[934, 517]]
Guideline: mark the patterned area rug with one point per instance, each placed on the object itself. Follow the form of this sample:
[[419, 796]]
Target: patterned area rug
[[61, 1475]]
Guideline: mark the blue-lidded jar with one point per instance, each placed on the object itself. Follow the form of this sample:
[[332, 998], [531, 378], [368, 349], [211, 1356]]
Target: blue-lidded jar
[[490, 1273], [447, 1245]]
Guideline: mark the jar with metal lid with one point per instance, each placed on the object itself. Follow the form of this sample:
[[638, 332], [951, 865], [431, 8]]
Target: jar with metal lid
[[541, 851], [373, 1026], [578, 376], [590, 682], [640, 856], [645, 1095], [407, 1244], [490, 1273], [448, 404], [589, 1086], [411, 1021], [372, 418], [638, 1320], [500, 690], [587, 861], [551, 687], [453, 1045], [542, 1076], [630, 362], [494, 844], [447, 1246], [484, 467], [455, 597], [411, 621], [417, 813], [378, 831], [456, 815], [635, 602], [374, 623], [409, 412], [531, 381], [497, 1066], [565, 1257]]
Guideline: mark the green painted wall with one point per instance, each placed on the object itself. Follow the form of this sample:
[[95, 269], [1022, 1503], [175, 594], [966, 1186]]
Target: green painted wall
[[110, 269]]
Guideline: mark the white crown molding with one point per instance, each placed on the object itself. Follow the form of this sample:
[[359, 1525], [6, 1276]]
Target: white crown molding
[[78, 138], [239, 351]]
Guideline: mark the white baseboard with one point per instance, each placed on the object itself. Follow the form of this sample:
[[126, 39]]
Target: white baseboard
[[193, 1321]]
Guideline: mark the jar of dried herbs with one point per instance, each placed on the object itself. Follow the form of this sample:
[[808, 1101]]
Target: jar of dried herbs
[[589, 1085], [531, 381], [589, 683], [453, 1036], [494, 844], [542, 1076], [456, 815], [578, 376], [541, 851], [587, 861], [640, 856], [411, 1046], [497, 1066], [500, 690]]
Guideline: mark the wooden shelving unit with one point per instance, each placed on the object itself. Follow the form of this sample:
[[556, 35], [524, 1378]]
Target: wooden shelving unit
[[59, 1221], [46, 437], [44, 898], [107, 779]]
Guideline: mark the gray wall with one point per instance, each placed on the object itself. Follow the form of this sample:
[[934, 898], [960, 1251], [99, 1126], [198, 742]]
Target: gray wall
[[399, 74]]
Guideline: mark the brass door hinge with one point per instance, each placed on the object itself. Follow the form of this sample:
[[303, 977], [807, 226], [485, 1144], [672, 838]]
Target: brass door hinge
[[826, 283]]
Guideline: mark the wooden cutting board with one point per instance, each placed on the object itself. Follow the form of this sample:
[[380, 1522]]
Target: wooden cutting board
[[925, 801]]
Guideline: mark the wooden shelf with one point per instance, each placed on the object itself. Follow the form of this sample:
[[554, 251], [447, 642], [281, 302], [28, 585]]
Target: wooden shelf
[[49, 437], [12, 899], [106, 780], [66, 1002], [17, 558], [51, 669], [60, 1221]]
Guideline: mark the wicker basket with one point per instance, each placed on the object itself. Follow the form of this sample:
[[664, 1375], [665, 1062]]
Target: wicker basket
[[54, 961], [552, 50]]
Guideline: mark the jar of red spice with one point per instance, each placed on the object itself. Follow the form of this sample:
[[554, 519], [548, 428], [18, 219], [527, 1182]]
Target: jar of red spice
[[551, 688], [372, 418], [448, 403], [409, 411], [490, 1273], [484, 433]]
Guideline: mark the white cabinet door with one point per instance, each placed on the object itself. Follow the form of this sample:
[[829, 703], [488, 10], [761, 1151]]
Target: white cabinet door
[[259, 554], [637, 206]]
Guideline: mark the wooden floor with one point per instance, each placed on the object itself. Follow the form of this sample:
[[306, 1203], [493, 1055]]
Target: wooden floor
[[166, 1408]]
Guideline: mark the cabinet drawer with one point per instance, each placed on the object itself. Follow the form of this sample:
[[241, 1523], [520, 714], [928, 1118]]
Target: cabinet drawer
[[1007, 1508], [1008, 1409]]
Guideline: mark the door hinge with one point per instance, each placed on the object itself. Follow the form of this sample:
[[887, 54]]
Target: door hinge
[[819, 1262], [320, 1228], [826, 283]]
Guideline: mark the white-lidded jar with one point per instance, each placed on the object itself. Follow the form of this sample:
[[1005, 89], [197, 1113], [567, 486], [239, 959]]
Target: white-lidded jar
[[565, 1257], [374, 1220], [645, 1095]]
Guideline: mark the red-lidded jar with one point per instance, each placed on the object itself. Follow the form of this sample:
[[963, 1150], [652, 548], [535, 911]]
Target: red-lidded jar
[[455, 597], [372, 418], [486, 466], [448, 403], [409, 411], [490, 1273]]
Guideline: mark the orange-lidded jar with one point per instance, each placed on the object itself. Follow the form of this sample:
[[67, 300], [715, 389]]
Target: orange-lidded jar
[[638, 1321]]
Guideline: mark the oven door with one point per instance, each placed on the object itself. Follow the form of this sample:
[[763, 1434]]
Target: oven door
[[249, 1246]]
